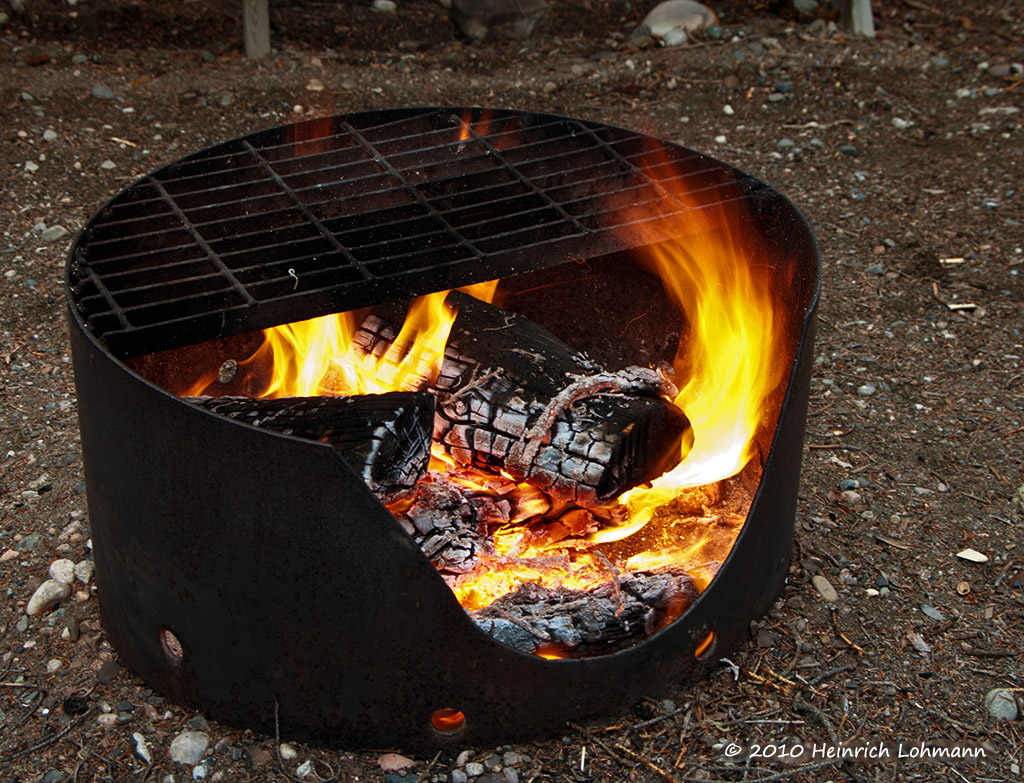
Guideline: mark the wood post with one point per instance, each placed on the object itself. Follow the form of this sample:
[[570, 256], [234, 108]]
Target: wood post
[[256, 24]]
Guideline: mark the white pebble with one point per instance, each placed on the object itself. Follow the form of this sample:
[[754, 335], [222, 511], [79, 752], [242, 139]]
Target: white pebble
[[142, 750], [288, 753], [727, 109], [63, 570], [189, 747], [972, 555], [53, 665], [84, 571], [107, 720], [31, 167], [49, 135], [385, 6], [47, 595]]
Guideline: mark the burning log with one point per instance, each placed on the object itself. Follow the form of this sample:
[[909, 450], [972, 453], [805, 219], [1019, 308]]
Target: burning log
[[384, 438], [511, 396], [537, 619]]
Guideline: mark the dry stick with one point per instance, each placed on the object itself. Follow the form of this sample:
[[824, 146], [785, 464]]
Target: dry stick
[[42, 743], [835, 622], [620, 749], [430, 766]]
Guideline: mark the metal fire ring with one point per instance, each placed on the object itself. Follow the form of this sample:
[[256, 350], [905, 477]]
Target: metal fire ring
[[247, 573]]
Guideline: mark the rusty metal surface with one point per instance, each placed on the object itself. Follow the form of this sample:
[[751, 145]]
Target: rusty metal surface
[[286, 582]]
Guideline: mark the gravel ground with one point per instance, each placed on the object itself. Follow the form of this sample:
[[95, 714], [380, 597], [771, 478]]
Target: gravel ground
[[906, 154]]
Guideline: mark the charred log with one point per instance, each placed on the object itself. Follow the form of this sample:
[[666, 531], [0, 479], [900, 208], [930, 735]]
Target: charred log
[[384, 438], [535, 619], [512, 396], [450, 528]]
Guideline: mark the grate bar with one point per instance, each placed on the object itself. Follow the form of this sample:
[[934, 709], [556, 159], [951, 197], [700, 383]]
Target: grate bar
[[413, 191], [214, 258], [313, 219], [526, 182]]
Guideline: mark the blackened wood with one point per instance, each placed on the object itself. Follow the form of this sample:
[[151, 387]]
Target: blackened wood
[[610, 617], [512, 396], [385, 438], [447, 524]]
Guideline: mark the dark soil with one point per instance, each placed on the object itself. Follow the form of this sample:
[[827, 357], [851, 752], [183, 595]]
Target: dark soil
[[907, 156]]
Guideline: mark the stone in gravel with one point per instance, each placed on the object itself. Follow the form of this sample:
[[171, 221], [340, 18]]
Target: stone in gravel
[[825, 588], [510, 775], [226, 100], [107, 165], [288, 753], [260, 757], [141, 749], [849, 151], [80, 59], [84, 571], [50, 135], [1001, 704], [498, 20], [108, 672], [940, 61], [850, 498], [474, 769], [867, 390], [785, 144], [392, 762], [63, 570], [102, 91], [1000, 71], [189, 747], [972, 555], [31, 166], [459, 776], [22, 625], [305, 768], [930, 611], [675, 22], [10, 554], [783, 87], [47, 595], [804, 6], [775, 97], [384, 6]]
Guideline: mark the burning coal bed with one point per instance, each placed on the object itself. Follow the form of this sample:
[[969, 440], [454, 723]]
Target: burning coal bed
[[509, 457]]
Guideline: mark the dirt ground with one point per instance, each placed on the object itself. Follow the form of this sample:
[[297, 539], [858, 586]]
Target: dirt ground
[[905, 152]]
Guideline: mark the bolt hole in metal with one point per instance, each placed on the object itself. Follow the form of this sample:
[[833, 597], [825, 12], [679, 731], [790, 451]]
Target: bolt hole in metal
[[171, 645], [706, 647], [448, 721]]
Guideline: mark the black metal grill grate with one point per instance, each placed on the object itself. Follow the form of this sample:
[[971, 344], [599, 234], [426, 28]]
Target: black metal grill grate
[[355, 210]]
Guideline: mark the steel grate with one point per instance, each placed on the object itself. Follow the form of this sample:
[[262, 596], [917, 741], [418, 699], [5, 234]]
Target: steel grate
[[355, 210]]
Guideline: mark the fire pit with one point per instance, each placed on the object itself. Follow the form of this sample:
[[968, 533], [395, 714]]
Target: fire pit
[[246, 559]]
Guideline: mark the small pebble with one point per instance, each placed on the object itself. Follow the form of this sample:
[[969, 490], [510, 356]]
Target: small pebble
[[49, 135], [47, 595], [305, 768], [84, 571], [141, 748], [850, 498], [474, 769], [288, 753], [384, 6], [107, 720], [53, 665], [550, 87], [849, 151], [1001, 704], [31, 166], [54, 233], [102, 91], [825, 588], [63, 570], [107, 165], [775, 97], [459, 776], [80, 59], [189, 747], [729, 110], [930, 611], [867, 389], [392, 762]]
